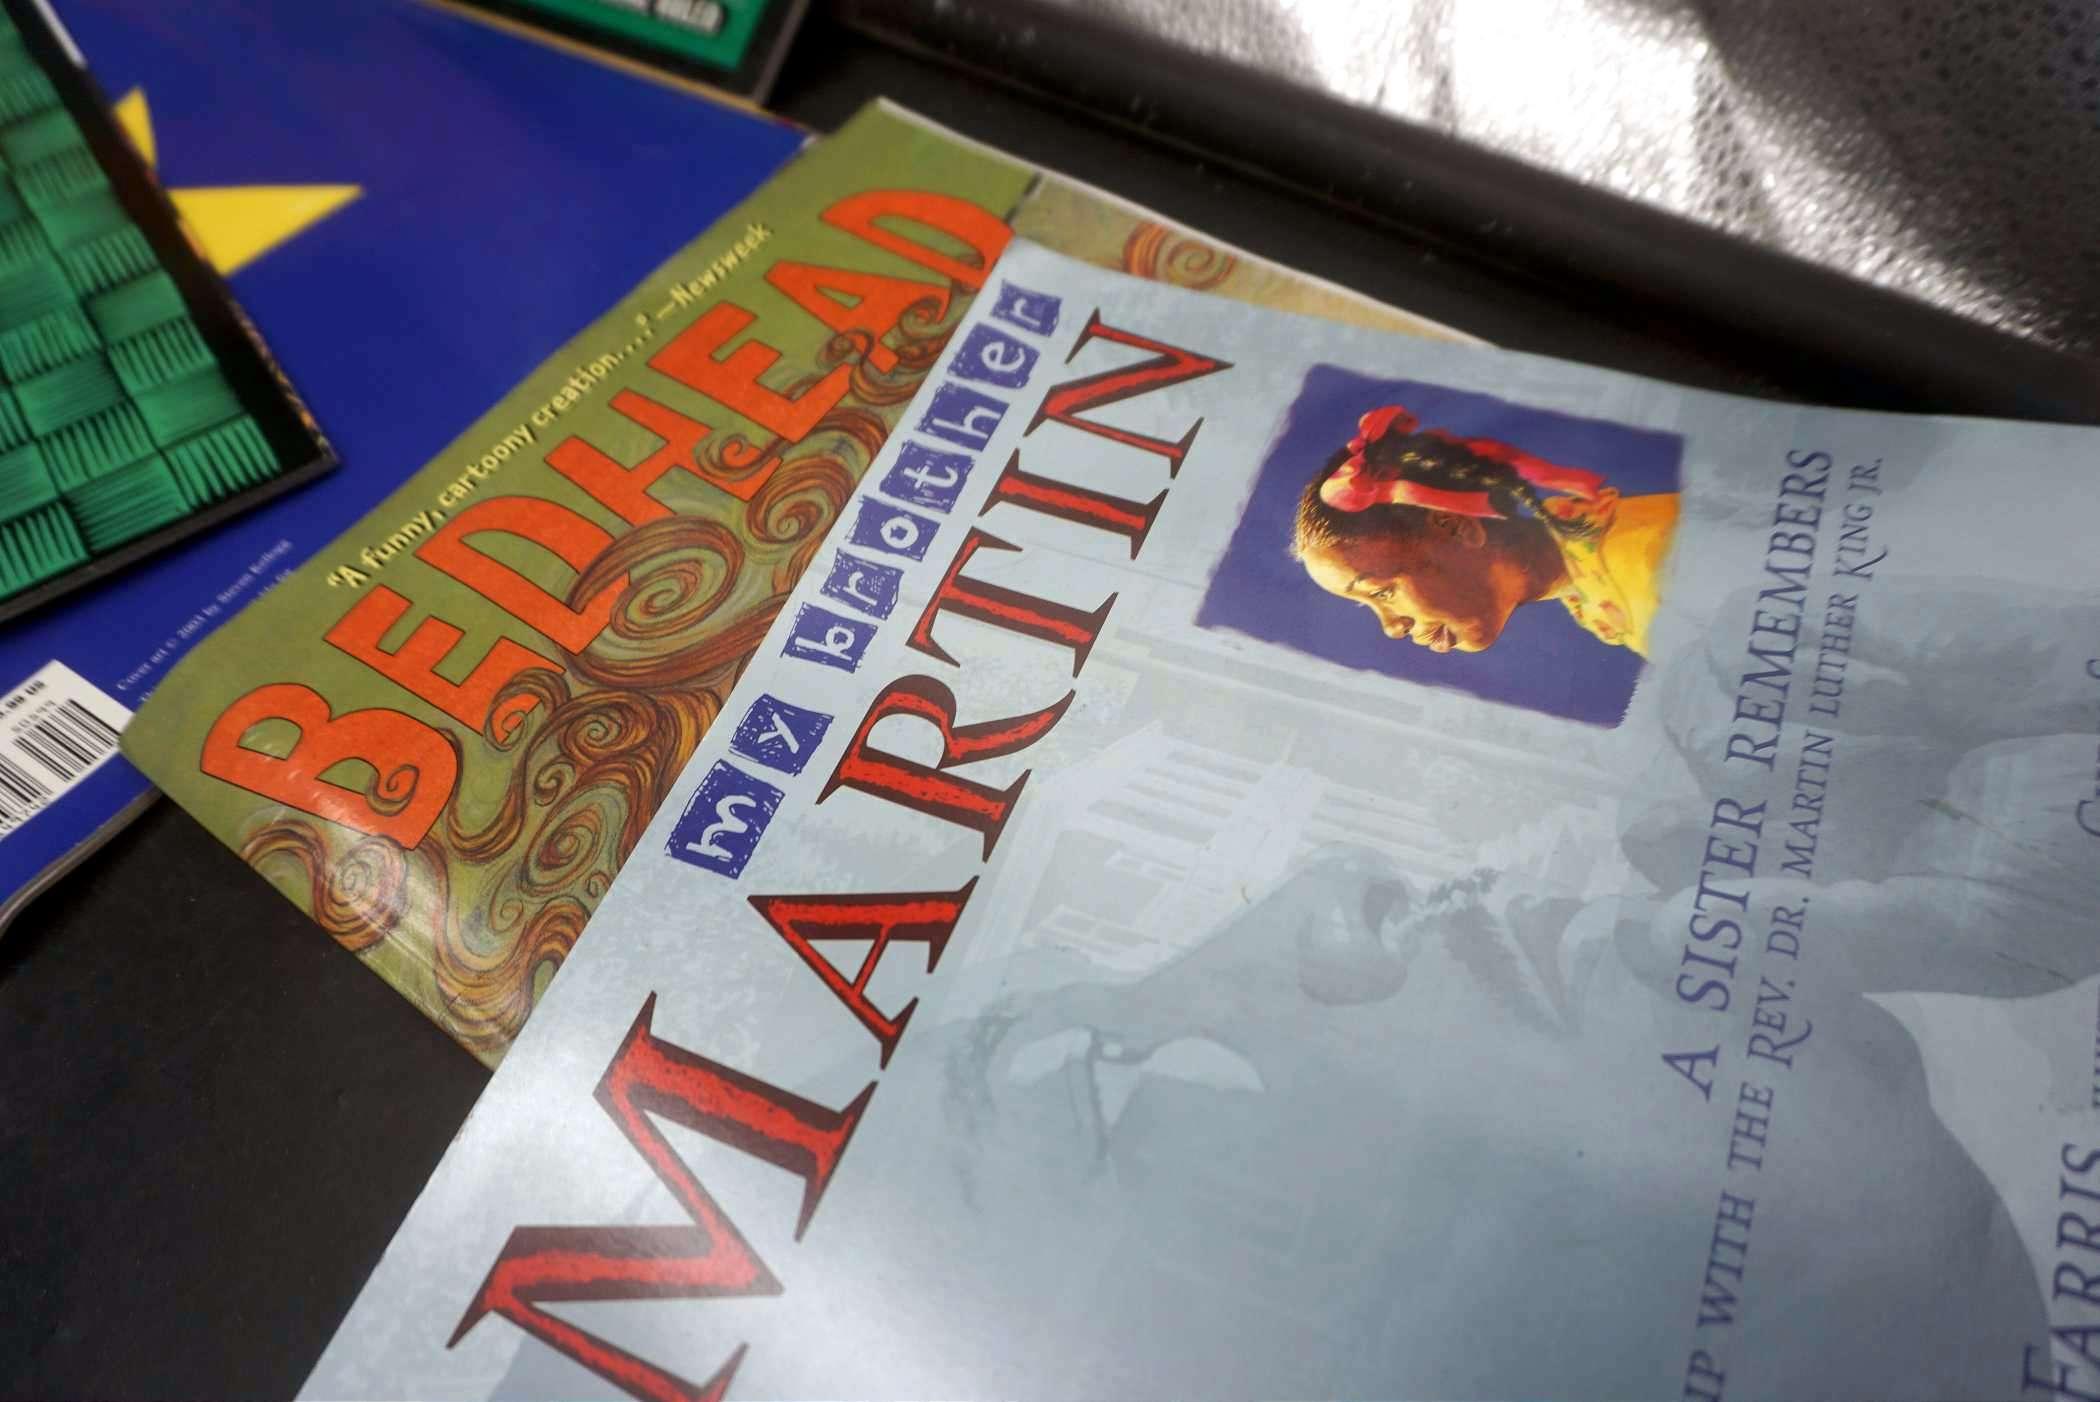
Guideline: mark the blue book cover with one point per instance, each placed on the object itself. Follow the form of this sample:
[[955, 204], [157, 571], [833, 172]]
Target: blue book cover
[[416, 208]]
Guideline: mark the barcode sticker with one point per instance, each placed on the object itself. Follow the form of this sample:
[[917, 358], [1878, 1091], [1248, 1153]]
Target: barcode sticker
[[55, 730]]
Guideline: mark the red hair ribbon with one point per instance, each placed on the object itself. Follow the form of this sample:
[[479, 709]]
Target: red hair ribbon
[[1356, 486]]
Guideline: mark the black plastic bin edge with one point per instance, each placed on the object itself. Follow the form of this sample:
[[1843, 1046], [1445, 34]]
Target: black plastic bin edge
[[1867, 346]]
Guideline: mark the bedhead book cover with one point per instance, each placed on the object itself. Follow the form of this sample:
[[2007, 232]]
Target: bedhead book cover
[[1264, 859], [444, 735], [406, 206]]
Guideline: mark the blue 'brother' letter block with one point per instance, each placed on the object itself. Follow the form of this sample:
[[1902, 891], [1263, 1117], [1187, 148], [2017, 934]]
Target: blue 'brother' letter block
[[892, 529], [991, 357], [925, 476], [819, 635], [963, 416], [866, 585], [1031, 311]]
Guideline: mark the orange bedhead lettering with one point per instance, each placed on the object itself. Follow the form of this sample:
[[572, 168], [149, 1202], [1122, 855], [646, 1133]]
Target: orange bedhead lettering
[[976, 228], [571, 538], [416, 764]]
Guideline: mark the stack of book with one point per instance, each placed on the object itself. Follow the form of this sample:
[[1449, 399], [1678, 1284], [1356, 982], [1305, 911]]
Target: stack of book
[[1032, 803]]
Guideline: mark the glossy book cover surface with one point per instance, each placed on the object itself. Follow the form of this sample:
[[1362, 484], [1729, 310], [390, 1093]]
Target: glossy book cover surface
[[444, 735], [1265, 859]]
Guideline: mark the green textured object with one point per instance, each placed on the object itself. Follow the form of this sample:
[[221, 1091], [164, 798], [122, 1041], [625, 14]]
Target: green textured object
[[103, 262], [136, 306], [15, 57], [117, 417], [186, 407], [46, 343], [167, 352], [97, 445], [13, 430], [230, 458], [24, 92], [68, 394], [46, 134], [126, 504], [31, 289], [22, 242], [75, 221], [25, 482], [37, 546], [63, 177]]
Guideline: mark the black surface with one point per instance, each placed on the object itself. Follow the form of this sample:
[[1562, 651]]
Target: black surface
[[1823, 335], [211, 1119]]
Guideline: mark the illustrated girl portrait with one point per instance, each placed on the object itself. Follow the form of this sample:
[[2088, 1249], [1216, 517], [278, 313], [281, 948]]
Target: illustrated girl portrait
[[1444, 537], [1457, 539]]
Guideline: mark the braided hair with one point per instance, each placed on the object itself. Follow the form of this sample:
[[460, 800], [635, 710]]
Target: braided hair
[[1433, 461]]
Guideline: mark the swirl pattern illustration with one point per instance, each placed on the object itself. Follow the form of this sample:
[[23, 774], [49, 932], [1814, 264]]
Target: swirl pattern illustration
[[507, 879]]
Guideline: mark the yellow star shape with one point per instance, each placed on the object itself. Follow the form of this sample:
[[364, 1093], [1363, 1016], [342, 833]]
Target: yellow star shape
[[236, 224]]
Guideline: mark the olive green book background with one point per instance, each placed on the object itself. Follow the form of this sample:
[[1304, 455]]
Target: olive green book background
[[473, 922]]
